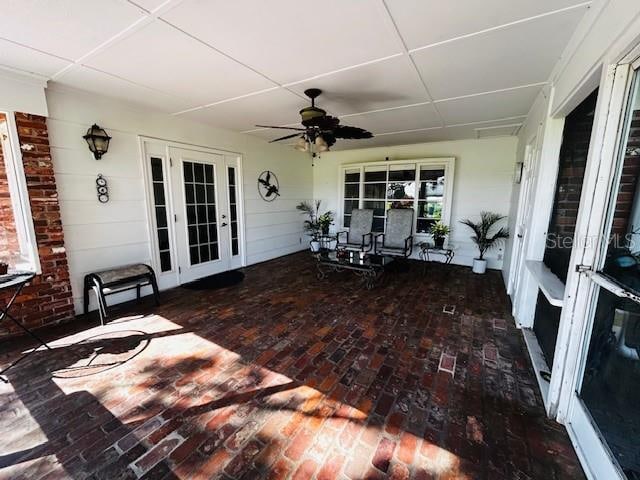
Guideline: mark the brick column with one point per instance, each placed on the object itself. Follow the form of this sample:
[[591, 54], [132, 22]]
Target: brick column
[[48, 300]]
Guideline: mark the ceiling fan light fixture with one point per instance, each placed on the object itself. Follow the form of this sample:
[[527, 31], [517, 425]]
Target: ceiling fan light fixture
[[321, 145], [319, 130], [301, 145]]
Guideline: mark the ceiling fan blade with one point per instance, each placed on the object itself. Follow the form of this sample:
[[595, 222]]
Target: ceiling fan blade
[[285, 137], [345, 131], [326, 122], [282, 128]]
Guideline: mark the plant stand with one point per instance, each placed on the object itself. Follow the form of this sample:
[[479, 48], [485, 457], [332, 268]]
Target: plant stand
[[427, 251]]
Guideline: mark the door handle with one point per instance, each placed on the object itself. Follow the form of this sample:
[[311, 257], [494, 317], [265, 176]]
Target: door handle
[[224, 216], [224, 224]]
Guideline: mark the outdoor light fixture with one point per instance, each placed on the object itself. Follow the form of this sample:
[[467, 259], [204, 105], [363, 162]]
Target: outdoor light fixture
[[98, 141]]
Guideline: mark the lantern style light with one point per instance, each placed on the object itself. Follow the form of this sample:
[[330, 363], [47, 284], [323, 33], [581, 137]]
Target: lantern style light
[[98, 141]]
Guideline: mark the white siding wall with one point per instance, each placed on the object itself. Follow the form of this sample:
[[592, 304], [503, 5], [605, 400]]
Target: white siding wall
[[483, 181], [102, 235]]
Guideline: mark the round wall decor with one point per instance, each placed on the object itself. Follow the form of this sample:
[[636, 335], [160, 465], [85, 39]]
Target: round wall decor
[[268, 186], [102, 188]]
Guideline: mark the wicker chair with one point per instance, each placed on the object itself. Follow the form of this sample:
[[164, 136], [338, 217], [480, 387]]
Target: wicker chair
[[359, 237]]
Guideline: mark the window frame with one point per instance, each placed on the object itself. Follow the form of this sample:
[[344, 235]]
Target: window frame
[[19, 194], [446, 163]]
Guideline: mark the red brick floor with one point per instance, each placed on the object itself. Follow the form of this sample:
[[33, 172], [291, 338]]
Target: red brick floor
[[286, 376]]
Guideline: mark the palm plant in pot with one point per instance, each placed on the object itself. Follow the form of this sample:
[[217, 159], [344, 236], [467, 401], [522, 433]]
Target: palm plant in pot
[[485, 236], [317, 223], [439, 232]]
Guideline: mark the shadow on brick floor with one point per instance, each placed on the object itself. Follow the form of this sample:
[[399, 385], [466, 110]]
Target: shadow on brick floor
[[284, 375]]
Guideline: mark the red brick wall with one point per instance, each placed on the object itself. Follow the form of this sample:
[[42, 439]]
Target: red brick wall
[[8, 240], [571, 168], [48, 299], [628, 180]]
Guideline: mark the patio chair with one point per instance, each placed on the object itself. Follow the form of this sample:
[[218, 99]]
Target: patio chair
[[397, 241], [359, 237]]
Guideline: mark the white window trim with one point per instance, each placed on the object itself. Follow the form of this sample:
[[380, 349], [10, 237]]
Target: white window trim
[[19, 194], [448, 163]]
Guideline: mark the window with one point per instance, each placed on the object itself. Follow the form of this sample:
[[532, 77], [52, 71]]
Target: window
[[423, 185], [160, 205], [233, 210], [430, 197], [18, 246]]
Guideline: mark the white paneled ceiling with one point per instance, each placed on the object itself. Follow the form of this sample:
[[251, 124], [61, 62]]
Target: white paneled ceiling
[[289, 40], [408, 70]]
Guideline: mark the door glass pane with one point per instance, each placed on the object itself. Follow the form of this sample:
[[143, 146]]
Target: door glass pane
[[233, 210], [611, 383], [162, 230], [200, 209]]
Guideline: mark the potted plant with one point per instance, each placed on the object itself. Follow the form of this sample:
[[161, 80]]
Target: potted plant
[[316, 223], [483, 237], [439, 232], [325, 221]]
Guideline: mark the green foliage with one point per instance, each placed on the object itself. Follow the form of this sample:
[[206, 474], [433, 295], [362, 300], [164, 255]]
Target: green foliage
[[316, 221], [439, 230], [482, 236]]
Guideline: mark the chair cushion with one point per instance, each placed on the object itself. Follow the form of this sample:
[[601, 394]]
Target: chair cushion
[[399, 227], [119, 274], [361, 222]]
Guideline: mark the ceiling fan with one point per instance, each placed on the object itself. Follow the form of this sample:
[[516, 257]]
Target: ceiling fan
[[320, 130]]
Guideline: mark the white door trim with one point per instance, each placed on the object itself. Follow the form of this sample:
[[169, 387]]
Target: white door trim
[[525, 197], [161, 148]]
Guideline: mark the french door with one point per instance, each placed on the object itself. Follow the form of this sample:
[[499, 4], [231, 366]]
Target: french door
[[602, 407], [199, 187]]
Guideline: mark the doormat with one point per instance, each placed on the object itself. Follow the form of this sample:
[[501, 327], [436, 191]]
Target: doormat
[[213, 282]]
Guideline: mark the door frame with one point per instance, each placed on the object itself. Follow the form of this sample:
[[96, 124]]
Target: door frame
[[577, 315], [525, 196], [159, 147]]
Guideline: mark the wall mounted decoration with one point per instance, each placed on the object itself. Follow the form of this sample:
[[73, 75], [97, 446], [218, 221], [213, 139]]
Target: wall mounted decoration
[[102, 188], [98, 141], [268, 186]]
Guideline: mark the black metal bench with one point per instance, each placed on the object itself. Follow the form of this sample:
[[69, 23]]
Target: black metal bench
[[116, 280]]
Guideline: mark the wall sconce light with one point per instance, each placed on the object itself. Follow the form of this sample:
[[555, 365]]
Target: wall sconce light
[[98, 141]]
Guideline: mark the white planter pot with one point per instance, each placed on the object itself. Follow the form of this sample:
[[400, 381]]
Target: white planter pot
[[315, 246], [479, 266]]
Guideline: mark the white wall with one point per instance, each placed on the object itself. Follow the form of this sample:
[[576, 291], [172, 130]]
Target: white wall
[[21, 93], [483, 181], [99, 236]]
